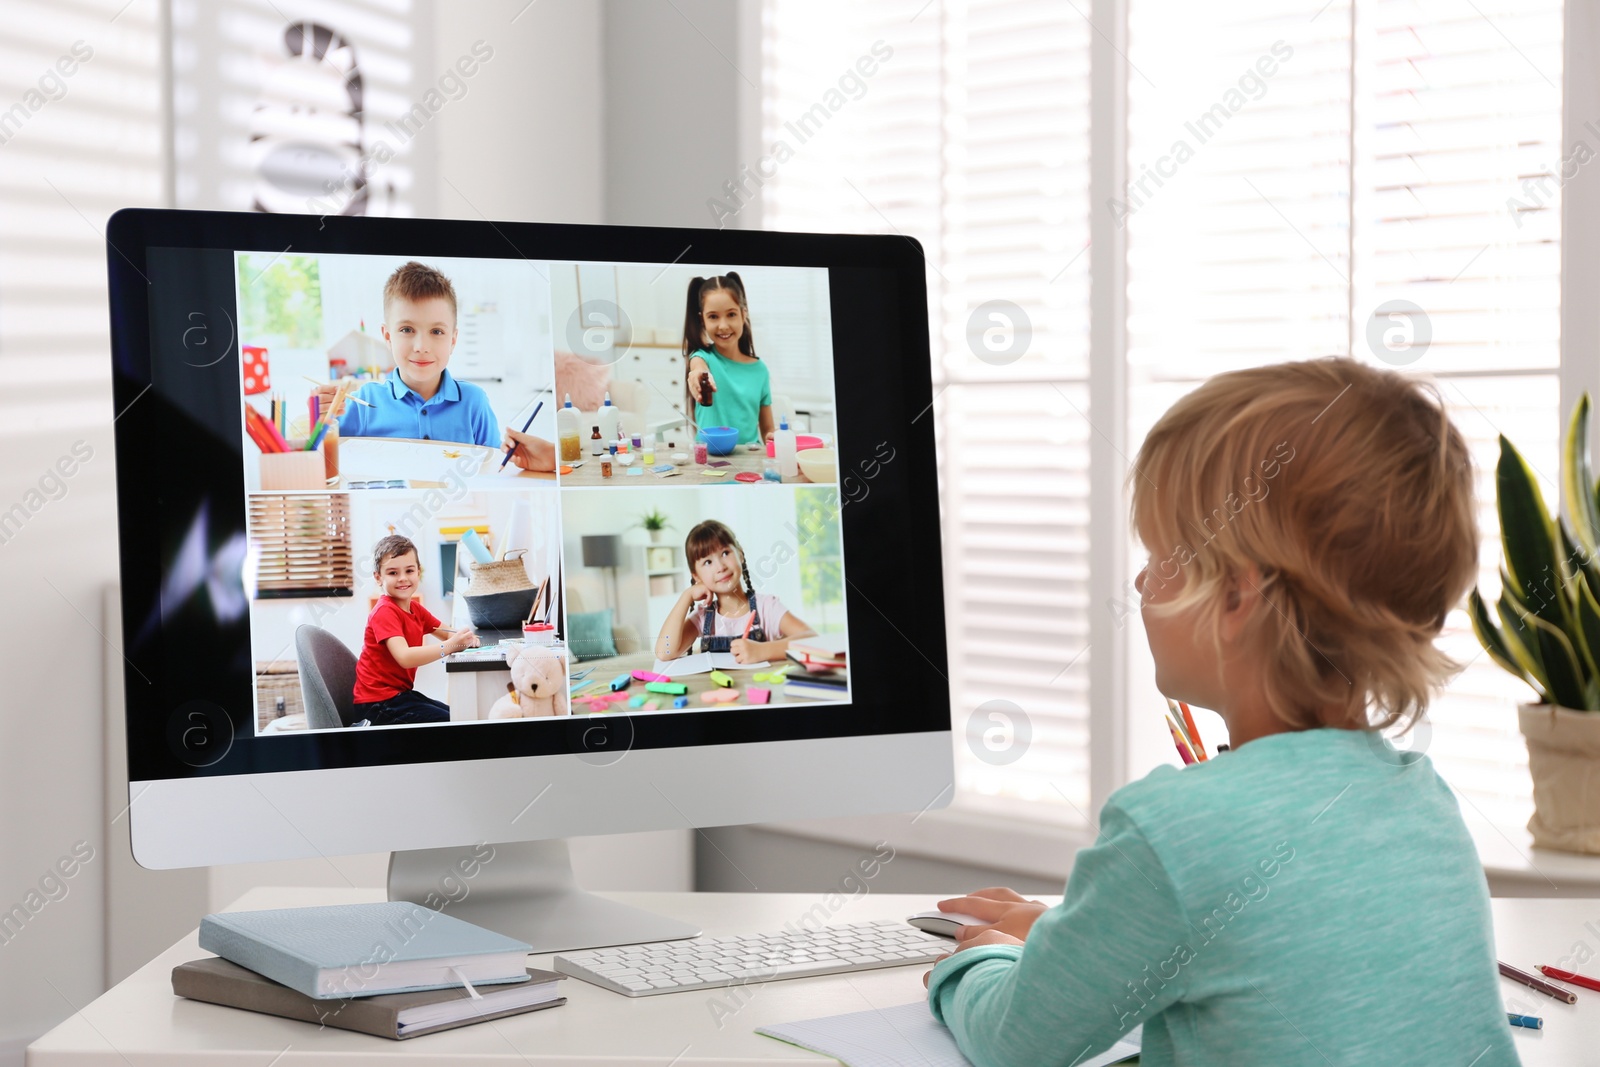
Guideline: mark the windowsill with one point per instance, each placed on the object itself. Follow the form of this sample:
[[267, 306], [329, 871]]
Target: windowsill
[[1513, 867], [956, 835], [1516, 869]]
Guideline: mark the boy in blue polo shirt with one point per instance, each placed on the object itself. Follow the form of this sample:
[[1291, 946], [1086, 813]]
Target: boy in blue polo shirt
[[419, 398]]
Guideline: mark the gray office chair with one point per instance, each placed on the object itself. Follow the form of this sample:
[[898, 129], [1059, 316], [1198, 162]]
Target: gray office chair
[[327, 678]]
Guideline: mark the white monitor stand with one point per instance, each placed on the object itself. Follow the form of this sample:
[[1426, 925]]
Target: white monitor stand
[[526, 890]]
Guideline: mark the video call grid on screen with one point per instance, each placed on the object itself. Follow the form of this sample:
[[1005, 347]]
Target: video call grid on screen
[[572, 546]]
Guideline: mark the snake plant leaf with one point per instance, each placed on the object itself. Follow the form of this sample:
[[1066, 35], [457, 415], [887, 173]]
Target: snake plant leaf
[[1577, 475], [1490, 637], [1529, 538], [1579, 566], [1518, 636], [1589, 625], [1560, 664]]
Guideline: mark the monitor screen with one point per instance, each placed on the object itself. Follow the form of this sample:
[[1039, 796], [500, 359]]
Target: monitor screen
[[717, 521]]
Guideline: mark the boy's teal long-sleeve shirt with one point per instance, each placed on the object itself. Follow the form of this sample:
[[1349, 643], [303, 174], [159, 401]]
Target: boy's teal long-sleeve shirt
[[1309, 898]]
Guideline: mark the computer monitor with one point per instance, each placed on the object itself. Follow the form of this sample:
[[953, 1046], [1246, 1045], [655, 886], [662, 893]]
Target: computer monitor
[[294, 393]]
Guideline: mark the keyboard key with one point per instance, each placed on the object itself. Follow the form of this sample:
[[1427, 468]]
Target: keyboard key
[[794, 970]]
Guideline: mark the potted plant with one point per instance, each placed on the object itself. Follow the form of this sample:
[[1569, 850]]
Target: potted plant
[[655, 522], [1548, 634]]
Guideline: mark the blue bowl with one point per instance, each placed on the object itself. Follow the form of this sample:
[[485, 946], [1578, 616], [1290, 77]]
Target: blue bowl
[[720, 440]]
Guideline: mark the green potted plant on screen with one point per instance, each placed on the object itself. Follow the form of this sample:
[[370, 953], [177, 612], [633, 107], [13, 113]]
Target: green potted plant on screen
[[654, 522], [1545, 629]]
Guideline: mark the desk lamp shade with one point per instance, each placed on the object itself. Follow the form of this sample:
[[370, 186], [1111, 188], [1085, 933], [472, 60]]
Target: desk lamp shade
[[602, 550]]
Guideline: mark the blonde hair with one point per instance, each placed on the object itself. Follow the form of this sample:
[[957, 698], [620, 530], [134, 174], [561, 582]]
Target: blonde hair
[[1350, 491]]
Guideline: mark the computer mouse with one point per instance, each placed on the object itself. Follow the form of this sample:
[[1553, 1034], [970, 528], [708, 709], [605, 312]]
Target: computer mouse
[[944, 923]]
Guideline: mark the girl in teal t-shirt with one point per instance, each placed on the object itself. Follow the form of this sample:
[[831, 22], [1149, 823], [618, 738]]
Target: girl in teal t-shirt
[[725, 383]]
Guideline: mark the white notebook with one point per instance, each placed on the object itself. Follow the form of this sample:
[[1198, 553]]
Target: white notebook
[[701, 662], [904, 1036]]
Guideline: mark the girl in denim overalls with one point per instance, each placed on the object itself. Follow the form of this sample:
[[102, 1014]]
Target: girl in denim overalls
[[721, 610]]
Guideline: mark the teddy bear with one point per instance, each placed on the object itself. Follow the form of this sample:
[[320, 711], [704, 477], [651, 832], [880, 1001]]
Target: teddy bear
[[538, 685]]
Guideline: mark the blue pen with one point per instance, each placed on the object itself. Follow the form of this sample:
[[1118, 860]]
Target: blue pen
[[525, 426], [1530, 1022]]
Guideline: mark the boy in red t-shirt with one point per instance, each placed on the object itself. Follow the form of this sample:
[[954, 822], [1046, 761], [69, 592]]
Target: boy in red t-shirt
[[392, 648]]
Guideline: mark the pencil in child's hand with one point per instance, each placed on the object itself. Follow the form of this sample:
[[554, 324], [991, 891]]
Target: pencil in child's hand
[[1193, 733], [1177, 741]]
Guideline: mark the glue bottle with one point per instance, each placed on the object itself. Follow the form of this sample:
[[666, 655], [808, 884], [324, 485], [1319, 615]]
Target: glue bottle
[[607, 418], [783, 451], [567, 432]]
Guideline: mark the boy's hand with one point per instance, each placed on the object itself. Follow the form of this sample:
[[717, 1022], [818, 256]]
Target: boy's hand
[[987, 936], [325, 394], [1007, 912], [461, 639], [529, 452]]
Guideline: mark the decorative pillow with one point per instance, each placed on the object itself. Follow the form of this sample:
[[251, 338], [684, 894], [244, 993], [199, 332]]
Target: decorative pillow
[[589, 635]]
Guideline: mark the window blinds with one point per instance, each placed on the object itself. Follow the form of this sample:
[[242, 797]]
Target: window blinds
[[972, 137]]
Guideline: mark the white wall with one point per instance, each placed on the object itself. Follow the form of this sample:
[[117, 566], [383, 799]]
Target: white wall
[[525, 142]]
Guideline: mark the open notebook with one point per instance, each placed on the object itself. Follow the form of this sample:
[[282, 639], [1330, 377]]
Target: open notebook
[[904, 1036], [701, 662]]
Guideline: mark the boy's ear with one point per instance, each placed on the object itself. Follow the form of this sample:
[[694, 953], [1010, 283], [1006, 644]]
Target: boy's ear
[[1242, 597]]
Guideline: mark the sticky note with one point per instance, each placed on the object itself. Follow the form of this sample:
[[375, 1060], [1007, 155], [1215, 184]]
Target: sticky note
[[661, 468], [718, 678], [719, 696], [671, 688], [712, 474], [757, 695], [636, 702], [620, 682], [680, 702], [649, 705], [719, 463]]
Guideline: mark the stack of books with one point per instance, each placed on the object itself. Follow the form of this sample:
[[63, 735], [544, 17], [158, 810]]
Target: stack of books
[[394, 970], [825, 676]]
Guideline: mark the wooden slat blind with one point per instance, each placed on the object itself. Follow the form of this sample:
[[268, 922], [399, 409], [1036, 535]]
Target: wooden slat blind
[[301, 542]]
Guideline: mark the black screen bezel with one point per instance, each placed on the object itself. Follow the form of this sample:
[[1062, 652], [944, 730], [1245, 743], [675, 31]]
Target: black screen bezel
[[177, 662]]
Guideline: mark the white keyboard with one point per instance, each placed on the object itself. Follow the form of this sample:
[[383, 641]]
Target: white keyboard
[[710, 962]]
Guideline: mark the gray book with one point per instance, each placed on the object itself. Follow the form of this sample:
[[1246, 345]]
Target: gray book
[[392, 1015]]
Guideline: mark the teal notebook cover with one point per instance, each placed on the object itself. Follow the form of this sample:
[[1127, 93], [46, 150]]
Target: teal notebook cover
[[294, 946]]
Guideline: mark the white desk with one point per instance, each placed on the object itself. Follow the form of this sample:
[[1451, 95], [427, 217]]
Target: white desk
[[141, 1024]]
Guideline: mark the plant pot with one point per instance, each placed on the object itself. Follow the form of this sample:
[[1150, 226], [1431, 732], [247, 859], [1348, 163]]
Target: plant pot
[[1564, 760], [655, 536]]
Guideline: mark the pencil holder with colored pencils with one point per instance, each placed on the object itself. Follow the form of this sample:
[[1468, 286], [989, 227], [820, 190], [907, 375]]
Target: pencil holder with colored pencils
[[297, 468]]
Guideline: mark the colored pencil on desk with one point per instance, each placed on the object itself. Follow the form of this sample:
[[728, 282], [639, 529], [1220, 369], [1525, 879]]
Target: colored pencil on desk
[[1538, 985], [1570, 977], [1194, 733]]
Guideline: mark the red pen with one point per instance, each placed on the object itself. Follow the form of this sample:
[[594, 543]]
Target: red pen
[[1570, 977]]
